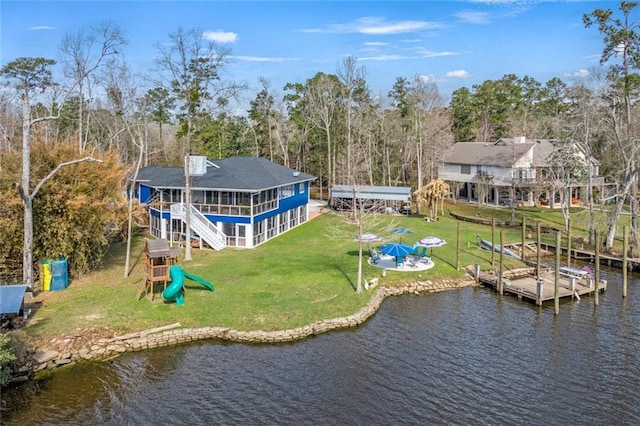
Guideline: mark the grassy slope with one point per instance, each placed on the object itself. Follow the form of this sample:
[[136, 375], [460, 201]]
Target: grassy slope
[[300, 277]]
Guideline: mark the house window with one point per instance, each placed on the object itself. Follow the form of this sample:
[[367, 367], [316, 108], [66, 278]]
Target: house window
[[465, 169], [286, 191], [301, 188], [284, 222], [522, 174], [227, 198]]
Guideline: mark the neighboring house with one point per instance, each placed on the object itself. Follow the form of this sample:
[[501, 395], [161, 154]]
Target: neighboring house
[[235, 202], [510, 171], [381, 198]]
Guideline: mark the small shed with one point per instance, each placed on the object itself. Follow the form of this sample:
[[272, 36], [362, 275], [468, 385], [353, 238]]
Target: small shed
[[378, 197]]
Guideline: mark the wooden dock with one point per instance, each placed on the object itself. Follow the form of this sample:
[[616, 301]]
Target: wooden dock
[[633, 264], [573, 283]]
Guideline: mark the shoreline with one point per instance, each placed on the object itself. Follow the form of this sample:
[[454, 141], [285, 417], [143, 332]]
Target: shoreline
[[44, 360]]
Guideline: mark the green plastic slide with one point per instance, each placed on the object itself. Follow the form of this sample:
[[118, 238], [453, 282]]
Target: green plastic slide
[[175, 292]]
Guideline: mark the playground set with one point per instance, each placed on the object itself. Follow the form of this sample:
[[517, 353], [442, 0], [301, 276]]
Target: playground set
[[162, 270]]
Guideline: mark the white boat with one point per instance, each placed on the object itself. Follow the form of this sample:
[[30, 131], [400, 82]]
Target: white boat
[[484, 244]]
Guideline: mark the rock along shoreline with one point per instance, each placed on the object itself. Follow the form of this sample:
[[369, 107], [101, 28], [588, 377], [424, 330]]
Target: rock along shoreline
[[44, 360]]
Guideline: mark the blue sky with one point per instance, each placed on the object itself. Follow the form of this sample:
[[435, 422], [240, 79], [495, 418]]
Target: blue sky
[[456, 43]]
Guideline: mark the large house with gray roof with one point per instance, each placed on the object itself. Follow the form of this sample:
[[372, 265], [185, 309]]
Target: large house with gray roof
[[235, 202], [509, 171]]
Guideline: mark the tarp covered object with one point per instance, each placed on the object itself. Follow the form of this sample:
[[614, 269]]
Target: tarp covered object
[[11, 297]]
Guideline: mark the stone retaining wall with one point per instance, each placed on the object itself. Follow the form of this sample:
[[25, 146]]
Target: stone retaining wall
[[105, 349]]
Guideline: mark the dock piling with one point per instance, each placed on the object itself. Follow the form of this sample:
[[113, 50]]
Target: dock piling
[[500, 279], [538, 250], [556, 290], [596, 298], [539, 291], [569, 242], [625, 260]]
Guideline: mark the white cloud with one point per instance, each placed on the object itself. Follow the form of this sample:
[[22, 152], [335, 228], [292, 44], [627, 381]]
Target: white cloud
[[377, 26], [509, 8], [425, 53], [384, 58], [375, 43], [220, 36], [581, 73], [473, 17], [457, 74], [263, 59], [41, 27], [419, 53]]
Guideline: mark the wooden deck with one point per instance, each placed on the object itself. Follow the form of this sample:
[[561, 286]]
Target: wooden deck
[[525, 286]]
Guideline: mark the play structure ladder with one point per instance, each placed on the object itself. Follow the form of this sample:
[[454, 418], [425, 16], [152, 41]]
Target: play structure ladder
[[200, 225]]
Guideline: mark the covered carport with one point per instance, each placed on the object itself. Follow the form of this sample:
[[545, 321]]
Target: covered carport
[[382, 199]]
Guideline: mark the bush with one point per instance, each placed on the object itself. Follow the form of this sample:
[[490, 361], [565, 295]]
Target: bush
[[7, 356], [73, 212]]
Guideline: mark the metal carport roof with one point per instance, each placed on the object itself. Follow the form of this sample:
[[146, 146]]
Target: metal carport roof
[[392, 193]]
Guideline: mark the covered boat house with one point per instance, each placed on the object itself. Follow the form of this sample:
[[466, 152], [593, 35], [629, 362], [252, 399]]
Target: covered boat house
[[383, 199]]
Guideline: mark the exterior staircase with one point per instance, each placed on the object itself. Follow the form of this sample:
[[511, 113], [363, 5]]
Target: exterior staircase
[[200, 225]]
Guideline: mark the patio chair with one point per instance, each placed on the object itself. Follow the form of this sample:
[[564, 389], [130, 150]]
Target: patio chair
[[415, 255], [423, 253]]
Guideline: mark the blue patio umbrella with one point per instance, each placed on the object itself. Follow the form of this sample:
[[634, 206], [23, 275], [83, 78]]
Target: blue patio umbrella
[[401, 230], [396, 249]]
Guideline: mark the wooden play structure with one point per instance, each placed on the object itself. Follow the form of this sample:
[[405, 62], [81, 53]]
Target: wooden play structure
[[158, 257]]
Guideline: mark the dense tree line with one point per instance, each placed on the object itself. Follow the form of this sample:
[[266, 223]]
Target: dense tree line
[[330, 125]]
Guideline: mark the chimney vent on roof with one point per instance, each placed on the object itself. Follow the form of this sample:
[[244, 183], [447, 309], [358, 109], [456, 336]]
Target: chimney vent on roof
[[197, 164], [519, 139]]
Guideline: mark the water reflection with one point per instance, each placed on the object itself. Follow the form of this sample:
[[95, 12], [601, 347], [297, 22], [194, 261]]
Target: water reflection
[[462, 357]]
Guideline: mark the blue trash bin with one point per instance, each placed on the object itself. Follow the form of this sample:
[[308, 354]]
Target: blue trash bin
[[59, 275]]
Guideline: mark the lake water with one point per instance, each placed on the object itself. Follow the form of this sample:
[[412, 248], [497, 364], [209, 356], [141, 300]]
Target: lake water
[[457, 357]]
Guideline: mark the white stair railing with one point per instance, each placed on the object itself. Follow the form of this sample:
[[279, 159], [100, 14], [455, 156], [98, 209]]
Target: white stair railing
[[201, 226]]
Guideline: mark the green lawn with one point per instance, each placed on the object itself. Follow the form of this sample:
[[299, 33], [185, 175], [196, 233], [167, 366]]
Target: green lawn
[[305, 275]]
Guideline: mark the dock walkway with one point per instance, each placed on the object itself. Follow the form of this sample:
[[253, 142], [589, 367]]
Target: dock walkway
[[572, 283], [633, 264]]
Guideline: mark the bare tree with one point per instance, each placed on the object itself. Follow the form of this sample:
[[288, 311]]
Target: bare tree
[[322, 96], [130, 112], [190, 68], [622, 46], [585, 123], [9, 123], [82, 54], [360, 217], [483, 182], [352, 79], [567, 168]]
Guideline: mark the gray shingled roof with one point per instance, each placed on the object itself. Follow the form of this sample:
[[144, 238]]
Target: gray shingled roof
[[234, 173], [503, 153], [486, 154]]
